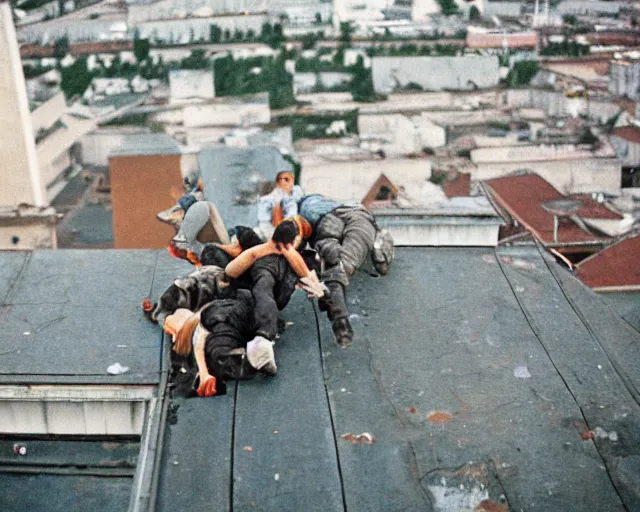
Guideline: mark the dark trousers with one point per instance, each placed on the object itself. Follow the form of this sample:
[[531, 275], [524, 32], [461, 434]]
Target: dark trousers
[[223, 362], [273, 284], [344, 239]]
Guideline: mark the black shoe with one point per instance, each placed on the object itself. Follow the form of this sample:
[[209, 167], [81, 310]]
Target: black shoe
[[343, 332]]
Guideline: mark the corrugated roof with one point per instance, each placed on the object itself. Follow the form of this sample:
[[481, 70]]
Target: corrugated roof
[[614, 266], [628, 133], [147, 144], [522, 196]]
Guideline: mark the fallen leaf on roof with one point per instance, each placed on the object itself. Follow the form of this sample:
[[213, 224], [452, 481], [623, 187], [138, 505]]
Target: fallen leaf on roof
[[587, 435], [491, 506], [439, 416], [365, 437], [412, 410], [247, 449]]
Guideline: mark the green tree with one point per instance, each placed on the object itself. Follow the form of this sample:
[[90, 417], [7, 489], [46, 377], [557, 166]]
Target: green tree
[[522, 72], [448, 7], [569, 19], [474, 14], [227, 34], [61, 48], [280, 85], [141, 49], [251, 34], [75, 79], [346, 29], [215, 34], [362, 83], [318, 19], [238, 35], [196, 60]]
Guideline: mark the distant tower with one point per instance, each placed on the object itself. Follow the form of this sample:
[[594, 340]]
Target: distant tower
[[536, 14], [20, 177]]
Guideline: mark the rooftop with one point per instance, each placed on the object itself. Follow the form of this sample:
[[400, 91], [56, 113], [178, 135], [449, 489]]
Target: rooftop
[[523, 196], [613, 268], [482, 379], [139, 144], [628, 133]]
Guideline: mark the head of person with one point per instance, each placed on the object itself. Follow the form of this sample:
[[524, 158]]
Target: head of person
[[286, 233], [284, 181]]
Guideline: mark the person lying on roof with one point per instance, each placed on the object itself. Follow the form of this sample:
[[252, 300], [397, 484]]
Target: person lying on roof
[[275, 268], [344, 234], [276, 206], [219, 340], [174, 214]]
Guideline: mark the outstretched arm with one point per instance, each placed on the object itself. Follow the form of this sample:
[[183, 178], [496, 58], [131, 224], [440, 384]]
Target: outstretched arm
[[242, 263], [207, 385], [296, 261]]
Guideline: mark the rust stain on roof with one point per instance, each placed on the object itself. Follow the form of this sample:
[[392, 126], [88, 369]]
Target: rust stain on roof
[[439, 417]]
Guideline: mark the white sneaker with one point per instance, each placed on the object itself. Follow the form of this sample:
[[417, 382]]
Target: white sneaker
[[260, 355]]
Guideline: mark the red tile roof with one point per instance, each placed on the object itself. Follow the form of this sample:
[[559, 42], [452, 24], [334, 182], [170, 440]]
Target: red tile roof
[[628, 133], [522, 197], [613, 267], [518, 40]]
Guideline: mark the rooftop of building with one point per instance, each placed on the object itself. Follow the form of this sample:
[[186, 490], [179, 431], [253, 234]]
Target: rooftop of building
[[524, 197], [614, 267], [460, 412], [628, 133]]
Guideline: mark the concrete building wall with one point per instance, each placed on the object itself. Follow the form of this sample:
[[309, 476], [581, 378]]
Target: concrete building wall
[[567, 176], [352, 180], [556, 104], [191, 83], [48, 113], [34, 234], [198, 29], [628, 152], [308, 82], [503, 9], [76, 30], [435, 73], [397, 134], [442, 232], [168, 9], [588, 7], [227, 114], [624, 78], [142, 186], [20, 180], [97, 145]]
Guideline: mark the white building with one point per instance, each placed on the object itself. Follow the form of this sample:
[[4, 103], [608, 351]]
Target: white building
[[26, 221], [398, 134], [435, 73], [569, 168], [625, 77], [190, 84]]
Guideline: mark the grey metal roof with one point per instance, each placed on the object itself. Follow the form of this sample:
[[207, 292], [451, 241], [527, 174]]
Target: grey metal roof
[[446, 331], [444, 336], [227, 170], [139, 144], [69, 314]]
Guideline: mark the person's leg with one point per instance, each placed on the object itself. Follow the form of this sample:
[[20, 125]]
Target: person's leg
[[214, 230], [226, 357], [265, 306], [358, 237]]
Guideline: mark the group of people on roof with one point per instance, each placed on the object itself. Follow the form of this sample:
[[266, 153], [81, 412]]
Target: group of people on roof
[[224, 317]]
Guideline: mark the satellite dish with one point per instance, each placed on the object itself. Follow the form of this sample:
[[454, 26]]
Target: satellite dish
[[560, 208]]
